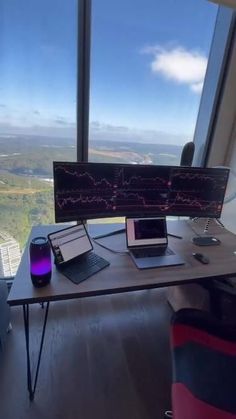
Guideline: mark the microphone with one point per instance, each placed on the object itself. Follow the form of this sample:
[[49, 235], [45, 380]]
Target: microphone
[[187, 154]]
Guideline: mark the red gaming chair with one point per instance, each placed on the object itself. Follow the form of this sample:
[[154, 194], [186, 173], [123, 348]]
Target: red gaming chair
[[204, 367]]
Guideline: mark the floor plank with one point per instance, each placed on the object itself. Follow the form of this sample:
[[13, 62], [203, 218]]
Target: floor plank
[[104, 357]]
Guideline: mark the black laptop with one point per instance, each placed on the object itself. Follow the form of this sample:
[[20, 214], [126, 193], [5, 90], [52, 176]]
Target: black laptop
[[72, 249], [147, 243]]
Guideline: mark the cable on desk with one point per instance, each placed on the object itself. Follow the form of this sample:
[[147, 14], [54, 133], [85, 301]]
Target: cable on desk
[[197, 234], [174, 235], [121, 252], [111, 233]]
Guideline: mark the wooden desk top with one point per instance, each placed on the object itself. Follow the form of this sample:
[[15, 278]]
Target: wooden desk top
[[122, 275]]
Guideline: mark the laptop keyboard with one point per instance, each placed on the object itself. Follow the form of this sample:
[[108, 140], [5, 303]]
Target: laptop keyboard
[[88, 265], [152, 252]]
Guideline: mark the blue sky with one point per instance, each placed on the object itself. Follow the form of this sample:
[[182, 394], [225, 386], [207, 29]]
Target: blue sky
[[38, 62], [148, 60]]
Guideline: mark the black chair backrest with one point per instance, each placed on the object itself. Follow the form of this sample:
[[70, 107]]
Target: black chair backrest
[[187, 154]]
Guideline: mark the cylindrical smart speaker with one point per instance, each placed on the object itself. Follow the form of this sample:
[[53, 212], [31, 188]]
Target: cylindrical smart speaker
[[40, 261]]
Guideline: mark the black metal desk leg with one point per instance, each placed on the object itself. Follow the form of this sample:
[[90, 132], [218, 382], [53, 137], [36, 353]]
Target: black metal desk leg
[[32, 385]]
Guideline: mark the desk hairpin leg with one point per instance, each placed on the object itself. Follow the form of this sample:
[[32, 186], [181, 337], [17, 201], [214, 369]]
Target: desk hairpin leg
[[32, 385]]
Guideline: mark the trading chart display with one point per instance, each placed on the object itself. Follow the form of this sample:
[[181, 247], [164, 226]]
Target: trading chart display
[[94, 190]]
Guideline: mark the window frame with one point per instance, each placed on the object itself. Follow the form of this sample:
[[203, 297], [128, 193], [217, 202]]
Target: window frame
[[83, 78], [214, 84], [215, 79]]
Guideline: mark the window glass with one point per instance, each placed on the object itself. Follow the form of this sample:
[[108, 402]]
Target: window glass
[[148, 64], [38, 44]]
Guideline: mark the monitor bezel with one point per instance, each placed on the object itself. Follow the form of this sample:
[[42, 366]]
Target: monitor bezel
[[138, 213]]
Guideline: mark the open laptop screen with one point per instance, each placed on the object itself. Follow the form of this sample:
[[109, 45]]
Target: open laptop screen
[[149, 231], [69, 243]]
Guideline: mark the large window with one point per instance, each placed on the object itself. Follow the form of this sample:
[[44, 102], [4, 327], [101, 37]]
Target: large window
[[38, 49], [147, 69], [148, 63]]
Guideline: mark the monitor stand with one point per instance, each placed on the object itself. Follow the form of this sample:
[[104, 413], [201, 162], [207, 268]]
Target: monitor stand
[[216, 220], [208, 221], [110, 233]]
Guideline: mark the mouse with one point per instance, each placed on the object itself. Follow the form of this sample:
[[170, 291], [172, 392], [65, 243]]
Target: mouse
[[201, 258]]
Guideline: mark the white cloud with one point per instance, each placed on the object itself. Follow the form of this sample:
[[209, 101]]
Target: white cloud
[[197, 87], [179, 65]]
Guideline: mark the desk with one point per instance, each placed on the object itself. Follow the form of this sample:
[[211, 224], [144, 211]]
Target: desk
[[122, 275]]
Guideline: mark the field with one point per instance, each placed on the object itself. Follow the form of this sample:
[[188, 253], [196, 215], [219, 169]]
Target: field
[[26, 187]]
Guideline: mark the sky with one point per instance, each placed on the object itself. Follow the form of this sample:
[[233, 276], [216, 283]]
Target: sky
[[148, 62]]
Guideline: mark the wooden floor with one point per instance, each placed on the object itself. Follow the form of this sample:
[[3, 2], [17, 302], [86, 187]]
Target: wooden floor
[[104, 357]]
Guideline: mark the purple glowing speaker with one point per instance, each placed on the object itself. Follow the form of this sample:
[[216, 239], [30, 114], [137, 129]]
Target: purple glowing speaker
[[40, 261]]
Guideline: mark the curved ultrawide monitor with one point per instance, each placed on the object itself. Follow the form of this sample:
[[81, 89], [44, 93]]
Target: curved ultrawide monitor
[[96, 190]]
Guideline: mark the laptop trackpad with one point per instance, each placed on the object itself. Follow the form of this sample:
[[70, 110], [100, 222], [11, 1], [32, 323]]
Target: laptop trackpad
[[157, 261]]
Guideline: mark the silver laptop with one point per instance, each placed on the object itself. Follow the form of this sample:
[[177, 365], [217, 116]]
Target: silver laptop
[[147, 243]]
